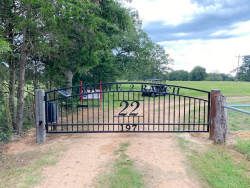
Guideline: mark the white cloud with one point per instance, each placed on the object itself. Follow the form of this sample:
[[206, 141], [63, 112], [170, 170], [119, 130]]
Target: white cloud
[[171, 12], [218, 55], [217, 33], [242, 28], [214, 55]]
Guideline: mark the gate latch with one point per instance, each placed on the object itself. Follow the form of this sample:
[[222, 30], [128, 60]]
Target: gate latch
[[40, 123]]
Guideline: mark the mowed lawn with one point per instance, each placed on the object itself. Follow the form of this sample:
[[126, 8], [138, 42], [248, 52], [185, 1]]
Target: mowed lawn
[[228, 89]]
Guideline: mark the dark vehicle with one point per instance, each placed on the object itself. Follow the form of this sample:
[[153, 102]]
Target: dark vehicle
[[156, 88]]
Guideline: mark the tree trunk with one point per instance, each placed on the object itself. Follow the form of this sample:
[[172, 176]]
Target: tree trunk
[[12, 74], [20, 90], [12, 78], [35, 78], [35, 85], [69, 76]]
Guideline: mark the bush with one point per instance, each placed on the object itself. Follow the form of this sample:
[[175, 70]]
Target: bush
[[179, 75], [219, 77], [5, 131], [198, 74], [4, 135]]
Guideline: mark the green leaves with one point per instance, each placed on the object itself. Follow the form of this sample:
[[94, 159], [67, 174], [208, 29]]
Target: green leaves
[[244, 70], [4, 46], [198, 73]]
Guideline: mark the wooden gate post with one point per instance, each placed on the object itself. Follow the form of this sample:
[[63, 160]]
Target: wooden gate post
[[218, 117], [40, 116]]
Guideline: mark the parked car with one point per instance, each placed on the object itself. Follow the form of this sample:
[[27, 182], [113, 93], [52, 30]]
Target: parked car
[[154, 89]]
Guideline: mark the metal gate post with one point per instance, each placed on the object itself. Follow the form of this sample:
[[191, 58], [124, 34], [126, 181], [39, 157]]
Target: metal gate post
[[40, 116]]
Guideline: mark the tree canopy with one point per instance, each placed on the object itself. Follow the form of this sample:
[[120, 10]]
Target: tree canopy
[[198, 73], [244, 70], [59, 43], [180, 75]]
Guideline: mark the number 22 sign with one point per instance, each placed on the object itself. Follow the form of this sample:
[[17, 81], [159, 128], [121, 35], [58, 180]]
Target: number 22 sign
[[134, 104]]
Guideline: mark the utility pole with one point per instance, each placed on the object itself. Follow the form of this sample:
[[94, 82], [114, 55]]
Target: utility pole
[[239, 56]]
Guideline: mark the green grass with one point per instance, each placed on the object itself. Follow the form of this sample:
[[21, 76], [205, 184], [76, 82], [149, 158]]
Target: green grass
[[183, 144], [237, 120], [216, 167], [243, 146], [123, 174], [227, 88], [25, 170]]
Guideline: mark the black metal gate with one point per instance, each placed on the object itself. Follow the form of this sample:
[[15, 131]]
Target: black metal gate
[[127, 107]]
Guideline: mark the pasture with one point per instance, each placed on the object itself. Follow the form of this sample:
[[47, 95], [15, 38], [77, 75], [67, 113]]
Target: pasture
[[229, 89]]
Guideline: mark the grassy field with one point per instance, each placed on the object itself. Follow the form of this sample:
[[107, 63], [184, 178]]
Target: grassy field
[[237, 120], [228, 89], [219, 166]]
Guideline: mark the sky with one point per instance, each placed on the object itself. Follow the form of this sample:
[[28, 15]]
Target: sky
[[209, 33]]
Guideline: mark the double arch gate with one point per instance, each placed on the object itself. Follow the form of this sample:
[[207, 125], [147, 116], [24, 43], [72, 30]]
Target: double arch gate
[[127, 107]]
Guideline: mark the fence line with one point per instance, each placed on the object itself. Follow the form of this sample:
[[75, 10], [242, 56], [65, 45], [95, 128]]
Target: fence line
[[232, 107]]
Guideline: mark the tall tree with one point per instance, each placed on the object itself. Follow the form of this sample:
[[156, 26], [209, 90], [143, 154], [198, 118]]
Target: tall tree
[[198, 74], [85, 46], [20, 23], [244, 70], [8, 21], [140, 58]]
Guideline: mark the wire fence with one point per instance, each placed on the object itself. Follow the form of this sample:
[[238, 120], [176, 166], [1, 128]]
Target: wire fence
[[238, 117]]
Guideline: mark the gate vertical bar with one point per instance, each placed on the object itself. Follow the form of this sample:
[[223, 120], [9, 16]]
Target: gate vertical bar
[[208, 113]]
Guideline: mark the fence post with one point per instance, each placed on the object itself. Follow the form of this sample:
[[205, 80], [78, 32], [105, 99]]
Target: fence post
[[218, 116], [40, 116]]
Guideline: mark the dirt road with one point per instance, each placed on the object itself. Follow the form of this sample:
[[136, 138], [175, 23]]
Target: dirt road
[[157, 156]]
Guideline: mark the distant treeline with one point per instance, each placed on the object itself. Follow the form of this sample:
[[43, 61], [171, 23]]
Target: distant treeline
[[198, 74]]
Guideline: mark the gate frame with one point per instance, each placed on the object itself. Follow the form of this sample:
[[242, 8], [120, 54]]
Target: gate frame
[[213, 114]]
